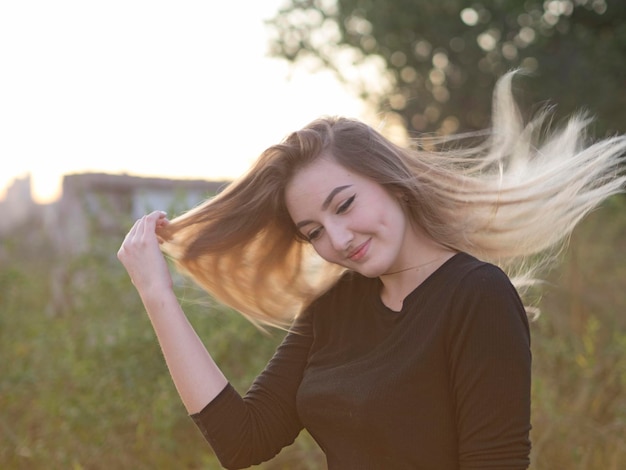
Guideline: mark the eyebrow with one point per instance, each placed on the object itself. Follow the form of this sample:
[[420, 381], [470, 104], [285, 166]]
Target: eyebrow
[[326, 203], [332, 194]]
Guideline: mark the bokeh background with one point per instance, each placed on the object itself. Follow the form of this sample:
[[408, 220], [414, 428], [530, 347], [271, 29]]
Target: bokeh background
[[198, 90]]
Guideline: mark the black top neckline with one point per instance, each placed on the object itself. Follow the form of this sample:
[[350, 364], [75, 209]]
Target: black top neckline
[[415, 293]]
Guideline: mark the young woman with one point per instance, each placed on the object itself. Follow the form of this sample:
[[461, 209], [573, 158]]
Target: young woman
[[408, 345]]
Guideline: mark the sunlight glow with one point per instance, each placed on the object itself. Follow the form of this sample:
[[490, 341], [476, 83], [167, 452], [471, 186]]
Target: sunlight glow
[[147, 88]]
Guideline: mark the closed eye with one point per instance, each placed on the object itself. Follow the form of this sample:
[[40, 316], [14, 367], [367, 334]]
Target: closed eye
[[314, 234], [317, 231], [346, 205]]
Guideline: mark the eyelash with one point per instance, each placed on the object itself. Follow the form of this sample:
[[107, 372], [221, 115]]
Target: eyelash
[[311, 236], [346, 205]]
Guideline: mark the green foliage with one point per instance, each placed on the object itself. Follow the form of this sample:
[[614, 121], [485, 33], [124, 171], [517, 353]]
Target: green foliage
[[440, 59], [579, 351], [86, 387]]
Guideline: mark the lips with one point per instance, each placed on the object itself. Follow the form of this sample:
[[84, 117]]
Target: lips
[[360, 251]]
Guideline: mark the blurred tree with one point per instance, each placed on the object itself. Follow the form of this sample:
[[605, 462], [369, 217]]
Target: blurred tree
[[435, 63]]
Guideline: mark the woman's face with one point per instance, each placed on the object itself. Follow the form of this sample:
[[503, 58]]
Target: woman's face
[[349, 219]]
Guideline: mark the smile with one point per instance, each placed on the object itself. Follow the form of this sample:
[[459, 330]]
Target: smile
[[360, 251]]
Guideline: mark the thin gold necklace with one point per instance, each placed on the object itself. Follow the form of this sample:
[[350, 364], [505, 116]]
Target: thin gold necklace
[[418, 266]]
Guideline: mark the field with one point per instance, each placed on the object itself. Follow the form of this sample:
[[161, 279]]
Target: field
[[85, 386]]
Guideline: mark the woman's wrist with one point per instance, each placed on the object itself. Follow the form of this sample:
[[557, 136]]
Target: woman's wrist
[[158, 296]]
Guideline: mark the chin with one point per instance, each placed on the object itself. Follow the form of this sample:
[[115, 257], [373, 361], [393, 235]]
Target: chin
[[370, 271]]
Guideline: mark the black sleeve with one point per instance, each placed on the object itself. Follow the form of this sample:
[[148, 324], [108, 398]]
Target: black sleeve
[[490, 364], [245, 431]]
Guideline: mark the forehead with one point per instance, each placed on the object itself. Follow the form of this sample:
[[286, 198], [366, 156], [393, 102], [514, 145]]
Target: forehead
[[323, 171], [315, 181]]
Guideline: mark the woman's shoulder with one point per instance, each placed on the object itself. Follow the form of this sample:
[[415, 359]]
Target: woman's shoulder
[[350, 287], [483, 287], [467, 270], [467, 281]]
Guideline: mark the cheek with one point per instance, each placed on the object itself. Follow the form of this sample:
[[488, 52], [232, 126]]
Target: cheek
[[399, 219], [324, 250], [393, 223]]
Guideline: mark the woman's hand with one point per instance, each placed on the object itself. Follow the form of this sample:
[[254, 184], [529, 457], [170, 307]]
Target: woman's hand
[[141, 256]]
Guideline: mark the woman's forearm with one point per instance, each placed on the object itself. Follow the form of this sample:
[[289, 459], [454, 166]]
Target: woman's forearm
[[196, 376]]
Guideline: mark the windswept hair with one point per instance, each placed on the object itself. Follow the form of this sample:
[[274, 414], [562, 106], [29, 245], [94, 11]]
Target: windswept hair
[[512, 199]]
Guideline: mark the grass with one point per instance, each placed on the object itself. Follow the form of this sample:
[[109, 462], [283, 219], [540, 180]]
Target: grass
[[87, 388]]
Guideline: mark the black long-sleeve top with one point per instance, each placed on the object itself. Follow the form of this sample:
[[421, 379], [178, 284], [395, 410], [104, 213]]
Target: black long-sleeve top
[[442, 384]]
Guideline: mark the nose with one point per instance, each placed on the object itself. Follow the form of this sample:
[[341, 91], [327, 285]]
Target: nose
[[340, 236]]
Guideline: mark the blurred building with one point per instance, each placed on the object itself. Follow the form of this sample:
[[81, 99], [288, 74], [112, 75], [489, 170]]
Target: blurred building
[[91, 217], [94, 205], [18, 205]]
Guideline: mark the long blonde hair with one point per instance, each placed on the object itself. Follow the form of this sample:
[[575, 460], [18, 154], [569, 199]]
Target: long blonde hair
[[511, 199]]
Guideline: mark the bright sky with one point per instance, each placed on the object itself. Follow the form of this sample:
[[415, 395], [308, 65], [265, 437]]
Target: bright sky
[[147, 87]]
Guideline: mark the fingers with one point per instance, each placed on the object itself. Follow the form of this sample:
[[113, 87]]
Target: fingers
[[148, 223], [161, 220], [130, 236], [143, 230], [161, 223], [153, 220]]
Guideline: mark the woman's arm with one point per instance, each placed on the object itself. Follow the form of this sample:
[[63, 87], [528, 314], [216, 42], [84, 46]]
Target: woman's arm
[[242, 431], [196, 376], [490, 363]]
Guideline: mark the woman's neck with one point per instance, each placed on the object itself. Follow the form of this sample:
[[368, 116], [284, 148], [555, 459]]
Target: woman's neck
[[406, 277]]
